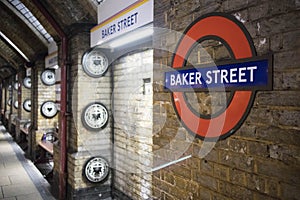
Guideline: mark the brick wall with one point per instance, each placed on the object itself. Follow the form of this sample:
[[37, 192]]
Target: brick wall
[[261, 160], [133, 124]]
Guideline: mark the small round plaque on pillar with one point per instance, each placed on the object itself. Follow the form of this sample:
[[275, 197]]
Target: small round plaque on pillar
[[48, 77], [96, 169], [16, 104], [27, 82], [9, 102], [94, 116], [27, 105], [49, 109], [16, 86], [95, 63]]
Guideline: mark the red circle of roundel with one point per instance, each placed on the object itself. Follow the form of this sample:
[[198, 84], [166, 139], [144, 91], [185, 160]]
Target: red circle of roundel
[[238, 40]]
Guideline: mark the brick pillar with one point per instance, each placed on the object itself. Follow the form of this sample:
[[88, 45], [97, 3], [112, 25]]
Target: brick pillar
[[40, 94], [2, 100], [84, 144], [19, 110], [6, 110], [10, 111], [23, 115], [14, 114]]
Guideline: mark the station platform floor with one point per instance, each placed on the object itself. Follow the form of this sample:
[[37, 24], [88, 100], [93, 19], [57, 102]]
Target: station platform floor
[[19, 178]]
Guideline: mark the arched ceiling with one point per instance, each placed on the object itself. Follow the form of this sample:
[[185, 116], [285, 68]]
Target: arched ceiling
[[66, 13]]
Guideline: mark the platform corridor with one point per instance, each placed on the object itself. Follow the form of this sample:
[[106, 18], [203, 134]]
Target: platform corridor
[[19, 178]]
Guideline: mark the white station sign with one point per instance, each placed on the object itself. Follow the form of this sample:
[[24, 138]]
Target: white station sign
[[51, 60], [128, 15]]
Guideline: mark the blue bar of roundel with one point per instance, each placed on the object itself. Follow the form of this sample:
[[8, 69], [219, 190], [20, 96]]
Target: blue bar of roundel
[[260, 76]]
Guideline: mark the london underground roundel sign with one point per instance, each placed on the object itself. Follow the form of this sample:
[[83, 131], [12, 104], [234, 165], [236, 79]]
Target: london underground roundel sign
[[235, 37]]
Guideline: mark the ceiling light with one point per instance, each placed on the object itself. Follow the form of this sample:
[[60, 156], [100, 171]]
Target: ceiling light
[[14, 46]]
